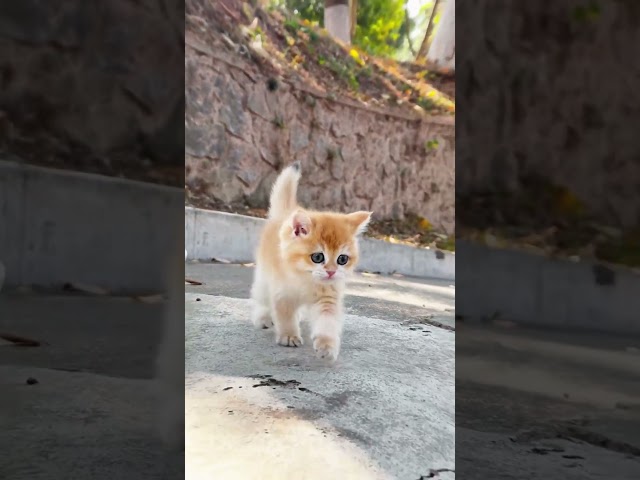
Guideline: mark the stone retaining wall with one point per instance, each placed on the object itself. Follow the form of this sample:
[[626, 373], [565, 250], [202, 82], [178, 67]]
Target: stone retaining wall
[[239, 134], [551, 91], [100, 78]]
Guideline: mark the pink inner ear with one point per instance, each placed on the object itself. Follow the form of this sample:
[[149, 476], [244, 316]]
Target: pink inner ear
[[301, 224]]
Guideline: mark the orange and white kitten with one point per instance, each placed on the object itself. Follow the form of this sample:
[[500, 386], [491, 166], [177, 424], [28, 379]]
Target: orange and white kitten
[[302, 262]]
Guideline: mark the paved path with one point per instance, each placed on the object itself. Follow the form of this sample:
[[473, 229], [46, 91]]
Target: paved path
[[91, 412], [257, 410], [541, 404], [529, 403]]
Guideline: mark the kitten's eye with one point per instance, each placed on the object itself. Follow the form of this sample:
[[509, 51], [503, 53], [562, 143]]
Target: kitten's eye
[[317, 257], [342, 259]]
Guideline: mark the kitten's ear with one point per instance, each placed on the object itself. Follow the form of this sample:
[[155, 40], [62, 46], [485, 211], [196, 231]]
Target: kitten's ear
[[359, 221], [300, 224]]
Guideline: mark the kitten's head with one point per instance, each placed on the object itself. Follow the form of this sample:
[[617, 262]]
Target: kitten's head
[[322, 245]]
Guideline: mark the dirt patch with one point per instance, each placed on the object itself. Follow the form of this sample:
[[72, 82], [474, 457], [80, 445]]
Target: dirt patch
[[292, 49], [547, 220], [36, 145], [412, 230]]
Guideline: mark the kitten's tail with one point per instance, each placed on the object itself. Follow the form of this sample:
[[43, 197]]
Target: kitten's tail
[[283, 195]]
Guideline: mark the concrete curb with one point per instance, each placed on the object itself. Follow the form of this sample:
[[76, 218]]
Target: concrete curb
[[542, 292], [59, 226], [210, 234]]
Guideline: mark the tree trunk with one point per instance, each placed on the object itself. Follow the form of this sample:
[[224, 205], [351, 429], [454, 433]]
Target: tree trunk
[[336, 19], [442, 52], [425, 42], [353, 11]]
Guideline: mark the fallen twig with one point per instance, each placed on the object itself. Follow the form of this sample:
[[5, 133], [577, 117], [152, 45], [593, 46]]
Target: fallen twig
[[80, 287], [229, 12], [20, 341]]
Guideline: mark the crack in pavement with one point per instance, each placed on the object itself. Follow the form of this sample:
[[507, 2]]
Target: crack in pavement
[[428, 320], [575, 433], [435, 473]]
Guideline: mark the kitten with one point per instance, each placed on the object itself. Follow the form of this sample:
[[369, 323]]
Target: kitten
[[303, 260]]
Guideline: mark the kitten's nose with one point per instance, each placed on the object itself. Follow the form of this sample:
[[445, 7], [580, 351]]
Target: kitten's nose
[[331, 273]]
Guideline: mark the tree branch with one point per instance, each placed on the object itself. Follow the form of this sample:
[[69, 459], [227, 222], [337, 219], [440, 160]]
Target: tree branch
[[354, 17]]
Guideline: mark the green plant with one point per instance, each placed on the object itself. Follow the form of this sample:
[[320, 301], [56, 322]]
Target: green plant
[[426, 103], [292, 25], [344, 72], [448, 244], [366, 71], [380, 24], [586, 13], [313, 35], [431, 144]]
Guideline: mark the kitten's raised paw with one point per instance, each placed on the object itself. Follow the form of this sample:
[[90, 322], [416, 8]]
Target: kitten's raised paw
[[289, 340], [326, 348]]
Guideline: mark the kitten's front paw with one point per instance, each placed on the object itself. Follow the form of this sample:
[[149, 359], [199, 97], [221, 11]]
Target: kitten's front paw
[[287, 340], [326, 348]]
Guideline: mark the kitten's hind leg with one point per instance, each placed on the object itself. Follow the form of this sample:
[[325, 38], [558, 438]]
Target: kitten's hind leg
[[260, 311], [260, 316]]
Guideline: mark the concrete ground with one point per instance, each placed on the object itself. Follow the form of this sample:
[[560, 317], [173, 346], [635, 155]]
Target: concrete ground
[[542, 404], [529, 403], [91, 412], [257, 410], [536, 404], [395, 298]]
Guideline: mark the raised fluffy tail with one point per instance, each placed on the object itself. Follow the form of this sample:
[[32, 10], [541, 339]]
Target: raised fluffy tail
[[283, 195]]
